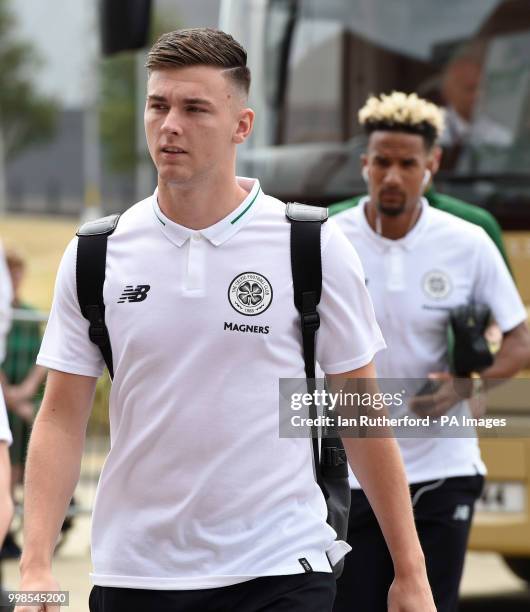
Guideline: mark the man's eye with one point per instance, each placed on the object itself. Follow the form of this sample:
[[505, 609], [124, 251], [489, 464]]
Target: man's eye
[[159, 106], [195, 109]]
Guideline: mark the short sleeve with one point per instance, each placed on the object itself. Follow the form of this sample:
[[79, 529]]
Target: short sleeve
[[5, 432], [349, 335], [66, 346], [494, 286]]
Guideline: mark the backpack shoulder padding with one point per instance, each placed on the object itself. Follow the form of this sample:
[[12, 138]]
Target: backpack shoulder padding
[[99, 227], [304, 212]]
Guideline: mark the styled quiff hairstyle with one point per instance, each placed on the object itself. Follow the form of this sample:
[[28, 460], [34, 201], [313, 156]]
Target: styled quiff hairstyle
[[399, 112], [201, 47]]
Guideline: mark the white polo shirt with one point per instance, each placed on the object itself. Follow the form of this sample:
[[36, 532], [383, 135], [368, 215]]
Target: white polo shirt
[[199, 490], [5, 432], [442, 262]]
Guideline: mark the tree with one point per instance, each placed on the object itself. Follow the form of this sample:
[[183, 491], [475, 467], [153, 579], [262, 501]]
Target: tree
[[26, 117]]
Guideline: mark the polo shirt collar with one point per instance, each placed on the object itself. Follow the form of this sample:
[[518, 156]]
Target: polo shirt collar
[[222, 230], [408, 241]]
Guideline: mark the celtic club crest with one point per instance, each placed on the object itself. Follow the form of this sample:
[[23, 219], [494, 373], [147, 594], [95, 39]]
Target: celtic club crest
[[250, 294]]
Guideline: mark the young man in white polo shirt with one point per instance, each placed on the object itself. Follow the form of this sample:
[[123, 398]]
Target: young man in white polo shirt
[[201, 505], [419, 263]]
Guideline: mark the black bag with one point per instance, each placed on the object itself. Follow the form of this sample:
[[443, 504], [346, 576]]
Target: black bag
[[331, 466], [470, 350]]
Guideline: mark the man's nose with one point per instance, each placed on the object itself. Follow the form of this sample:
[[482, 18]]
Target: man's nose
[[173, 122], [392, 176]]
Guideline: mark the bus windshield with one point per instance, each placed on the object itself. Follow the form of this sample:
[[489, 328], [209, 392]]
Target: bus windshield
[[314, 64]]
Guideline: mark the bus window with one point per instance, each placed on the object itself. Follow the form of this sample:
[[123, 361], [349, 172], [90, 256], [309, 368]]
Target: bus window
[[314, 63], [313, 108]]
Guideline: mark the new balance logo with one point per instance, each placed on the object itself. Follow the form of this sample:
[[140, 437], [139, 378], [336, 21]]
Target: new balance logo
[[134, 294], [462, 513]]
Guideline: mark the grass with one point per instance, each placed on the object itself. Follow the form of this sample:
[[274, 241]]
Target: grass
[[42, 241]]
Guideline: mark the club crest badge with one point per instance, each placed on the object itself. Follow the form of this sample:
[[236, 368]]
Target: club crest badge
[[250, 294], [437, 284]]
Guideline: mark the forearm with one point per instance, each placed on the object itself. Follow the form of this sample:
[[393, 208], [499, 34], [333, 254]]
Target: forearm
[[378, 466], [513, 356], [50, 481], [52, 470]]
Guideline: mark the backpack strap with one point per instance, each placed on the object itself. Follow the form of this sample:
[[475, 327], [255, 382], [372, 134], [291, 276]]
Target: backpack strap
[[306, 264], [90, 276]]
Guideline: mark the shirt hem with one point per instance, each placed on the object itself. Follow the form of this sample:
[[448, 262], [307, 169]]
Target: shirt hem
[[199, 583], [513, 322], [353, 364], [69, 368], [478, 469]]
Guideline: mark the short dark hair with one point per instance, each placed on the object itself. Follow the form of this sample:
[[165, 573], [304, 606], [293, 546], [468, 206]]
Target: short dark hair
[[201, 47], [424, 129]]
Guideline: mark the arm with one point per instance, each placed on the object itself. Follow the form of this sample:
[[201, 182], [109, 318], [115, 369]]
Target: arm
[[379, 468], [6, 502], [26, 390], [52, 471], [513, 356], [30, 385]]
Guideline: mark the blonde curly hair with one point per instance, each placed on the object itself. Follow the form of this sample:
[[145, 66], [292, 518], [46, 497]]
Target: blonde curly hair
[[403, 112]]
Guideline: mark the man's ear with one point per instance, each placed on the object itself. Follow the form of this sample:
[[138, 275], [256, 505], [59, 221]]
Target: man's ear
[[244, 125], [435, 159]]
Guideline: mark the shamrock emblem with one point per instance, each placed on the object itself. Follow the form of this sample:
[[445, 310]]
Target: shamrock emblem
[[250, 293]]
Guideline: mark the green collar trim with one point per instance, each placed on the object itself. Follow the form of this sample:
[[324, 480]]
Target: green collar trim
[[156, 215], [246, 209]]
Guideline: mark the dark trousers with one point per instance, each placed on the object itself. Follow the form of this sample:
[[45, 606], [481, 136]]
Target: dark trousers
[[311, 592], [443, 511]]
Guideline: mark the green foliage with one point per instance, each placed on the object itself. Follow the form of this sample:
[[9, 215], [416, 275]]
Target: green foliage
[[26, 117]]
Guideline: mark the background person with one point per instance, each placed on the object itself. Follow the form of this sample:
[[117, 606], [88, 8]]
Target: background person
[[460, 91], [419, 263], [22, 380], [459, 208]]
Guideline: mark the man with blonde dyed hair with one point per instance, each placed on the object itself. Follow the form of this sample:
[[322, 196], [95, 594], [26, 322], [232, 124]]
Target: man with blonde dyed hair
[[419, 264]]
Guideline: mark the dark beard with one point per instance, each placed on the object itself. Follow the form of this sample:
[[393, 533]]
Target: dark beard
[[390, 211]]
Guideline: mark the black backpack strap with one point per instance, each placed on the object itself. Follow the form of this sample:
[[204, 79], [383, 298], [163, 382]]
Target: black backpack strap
[[90, 276], [306, 265]]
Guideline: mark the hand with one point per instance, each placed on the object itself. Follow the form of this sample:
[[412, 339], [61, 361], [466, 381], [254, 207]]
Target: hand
[[410, 594], [25, 410], [449, 392], [38, 581], [14, 394]]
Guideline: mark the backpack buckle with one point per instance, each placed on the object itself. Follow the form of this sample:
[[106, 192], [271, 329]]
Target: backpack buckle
[[310, 320], [97, 331], [333, 456]]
